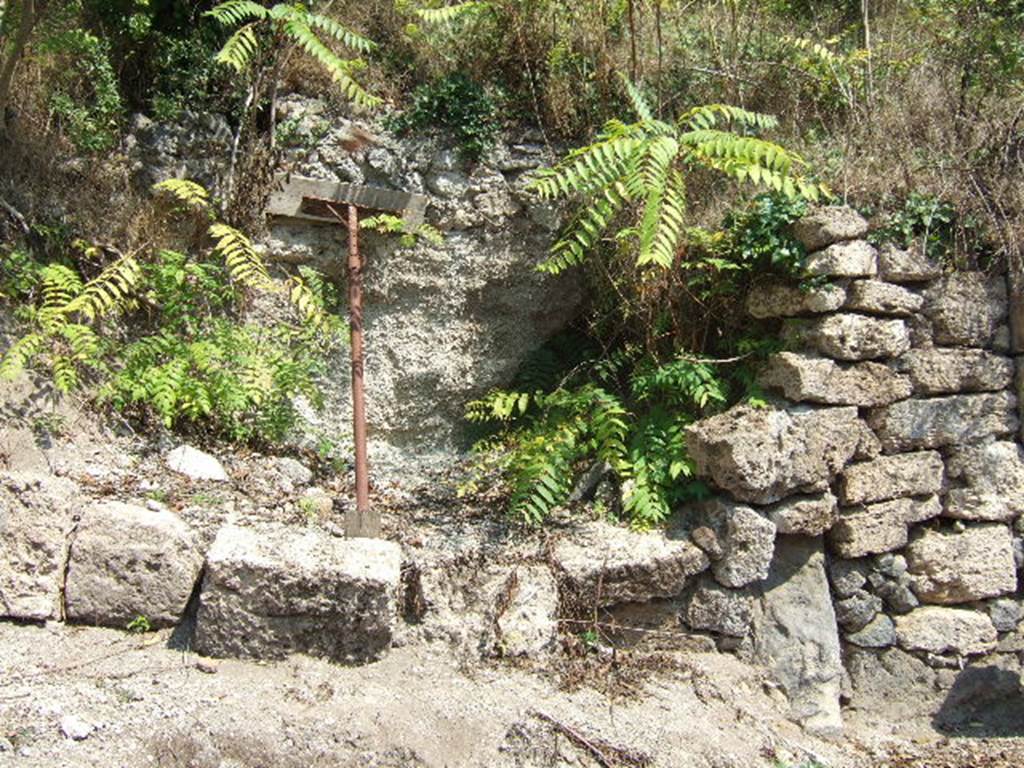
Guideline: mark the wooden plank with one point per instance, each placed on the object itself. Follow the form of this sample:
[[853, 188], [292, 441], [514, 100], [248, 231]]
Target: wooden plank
[[299, 197]]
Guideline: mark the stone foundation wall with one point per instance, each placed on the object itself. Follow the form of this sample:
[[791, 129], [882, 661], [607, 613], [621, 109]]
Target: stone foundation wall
[[890, 460]]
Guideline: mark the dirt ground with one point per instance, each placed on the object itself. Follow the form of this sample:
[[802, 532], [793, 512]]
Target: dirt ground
[[78, 696]]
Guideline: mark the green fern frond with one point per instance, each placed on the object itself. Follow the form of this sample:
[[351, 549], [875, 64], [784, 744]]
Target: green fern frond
[[637, 100], [584, 233], [234, 12], [341, 33], [19, 354], [339, 69], [184, 191], [449, 13], [239, 49], [244, 265], [109, 290]]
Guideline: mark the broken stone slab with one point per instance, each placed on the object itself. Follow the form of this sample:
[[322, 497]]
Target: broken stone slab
[[855, 258], [880, 632], [827, 225], [850, 337], [762, 455], [805, 515], [273, 590], [875, 297], [605, 564], [966, 308], [195, 464], [37, 516], [745, 542], [905, 265], [933, 629], [889, 477], [768, 300], [881, 527], [523, 619], [714, 608], [128, 561], [942, 421], [805, 378], [795, 634], [993, 478], [940, 371], [949, 567]]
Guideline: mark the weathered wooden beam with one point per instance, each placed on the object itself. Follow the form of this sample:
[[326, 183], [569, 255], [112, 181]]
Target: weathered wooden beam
[[299, 197]]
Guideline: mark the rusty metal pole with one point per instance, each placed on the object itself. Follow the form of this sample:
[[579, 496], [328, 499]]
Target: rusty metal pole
[[360, 522]]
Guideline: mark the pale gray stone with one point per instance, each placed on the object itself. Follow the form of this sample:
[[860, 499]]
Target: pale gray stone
[[37, 515], [805, 378], [993, 478], [855, 258], [195, 464], [850, 337], [856, 611], [946, 630], [876, 297], [713, 608], [75, 728], [890, 564], [950, 567], [940, 371], [128, 561], [606, 564], [1006, 613], [829, 224], [889, 477], [847, 576], [880, 527], [807, 515], [880, 632], [747, 540], [524, 621], [762, 455], [905, 265], [294, 470], [795, 635], [942, 421], [966, 308], [274, 590], [786, 300]]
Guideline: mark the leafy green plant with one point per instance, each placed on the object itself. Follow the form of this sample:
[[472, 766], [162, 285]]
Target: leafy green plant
[[641, 168], [139, 625], [922, 218], [457, 103]]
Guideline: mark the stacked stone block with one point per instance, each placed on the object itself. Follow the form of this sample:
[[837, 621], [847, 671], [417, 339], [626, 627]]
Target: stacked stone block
[[895, 436]]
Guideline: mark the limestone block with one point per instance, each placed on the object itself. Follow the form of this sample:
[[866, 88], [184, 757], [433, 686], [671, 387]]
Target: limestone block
[[966, 308], [850, 337], [940, 371], [746, 541], [951, 567], [524, 614], [876, 297], [713, 608], [879, 527], [37, 514], [763, 455], [941, 421], [855, 258], [905, 265], [993, 478], [128, 561], [806, 515], [606, 564], [805, 378], [827, 225], [795, 634], [195, 464], [275, 590], [946, 630], [888, 477], [787, 300]]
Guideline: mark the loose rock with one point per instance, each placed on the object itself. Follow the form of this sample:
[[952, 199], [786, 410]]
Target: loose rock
[[747, 541], [905, 265], [806, 515], [850, 337], [857, 611], [128, 561], [880, 632], [879, 298], [993, 477], [827, 225], [785, 300], [940, 371], [196, 464], [879, 527], [856, 258], [714, 608], [966, 308]]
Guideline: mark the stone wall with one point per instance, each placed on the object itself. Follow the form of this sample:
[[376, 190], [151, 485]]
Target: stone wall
[[890, 460]]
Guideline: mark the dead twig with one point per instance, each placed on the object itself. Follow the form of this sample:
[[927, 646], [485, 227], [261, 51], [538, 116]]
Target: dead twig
[[16, 217], [607, 755]]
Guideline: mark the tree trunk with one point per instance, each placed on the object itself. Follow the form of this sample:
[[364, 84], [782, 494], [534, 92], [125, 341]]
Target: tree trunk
[[27, 13]]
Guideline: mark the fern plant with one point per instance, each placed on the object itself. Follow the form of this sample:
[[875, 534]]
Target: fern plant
[[639, 169]]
